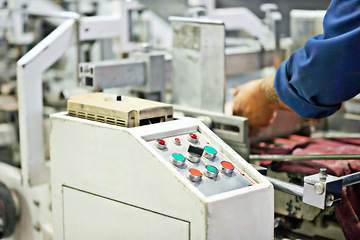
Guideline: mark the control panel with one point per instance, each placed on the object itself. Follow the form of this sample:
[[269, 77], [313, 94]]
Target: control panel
[[114, 180], [194, 157]]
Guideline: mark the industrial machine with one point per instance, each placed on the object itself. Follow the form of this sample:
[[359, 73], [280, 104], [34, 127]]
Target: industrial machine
[[174, 179], [175, 173]]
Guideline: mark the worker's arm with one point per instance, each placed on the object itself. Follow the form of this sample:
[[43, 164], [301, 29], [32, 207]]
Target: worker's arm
[[257, 100], [317, 78]]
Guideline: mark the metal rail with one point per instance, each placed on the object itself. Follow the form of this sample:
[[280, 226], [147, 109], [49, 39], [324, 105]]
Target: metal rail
[[254, 157]]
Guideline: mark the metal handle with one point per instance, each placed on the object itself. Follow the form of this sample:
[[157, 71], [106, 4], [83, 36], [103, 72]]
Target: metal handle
[[350, 179]]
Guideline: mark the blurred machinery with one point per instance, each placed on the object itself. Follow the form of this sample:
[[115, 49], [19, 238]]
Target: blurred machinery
[[26, 184]]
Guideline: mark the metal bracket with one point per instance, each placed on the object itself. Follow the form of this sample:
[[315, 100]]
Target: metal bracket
[[319, 190], [144, 71], [322, 190]]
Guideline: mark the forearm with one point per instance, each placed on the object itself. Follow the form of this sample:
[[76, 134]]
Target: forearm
[[266, 87]]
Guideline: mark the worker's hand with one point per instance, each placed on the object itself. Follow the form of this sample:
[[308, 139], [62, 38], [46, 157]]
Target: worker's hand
[[250, 102], [257, 100]]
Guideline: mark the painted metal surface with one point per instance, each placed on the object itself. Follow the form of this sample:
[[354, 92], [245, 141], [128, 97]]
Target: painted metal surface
[[116, 220], [113, 73], [122, 164], [198, 82]]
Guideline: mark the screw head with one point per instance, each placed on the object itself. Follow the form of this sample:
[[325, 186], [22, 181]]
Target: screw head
[[329, 200], [319, 188]]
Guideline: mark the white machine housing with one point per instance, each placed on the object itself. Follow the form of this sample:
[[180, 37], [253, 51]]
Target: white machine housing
[[111, 182]]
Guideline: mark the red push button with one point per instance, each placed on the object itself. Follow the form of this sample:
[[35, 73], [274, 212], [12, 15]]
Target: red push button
[[177, 141], [193, 138], [161, 144], [194, 175], [227, 167]]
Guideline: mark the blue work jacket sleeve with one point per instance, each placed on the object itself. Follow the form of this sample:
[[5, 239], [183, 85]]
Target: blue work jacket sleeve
[[317, 78]]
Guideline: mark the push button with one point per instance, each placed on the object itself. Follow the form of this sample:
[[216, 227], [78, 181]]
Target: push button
[[161, 144], [177, 141], [227, 167], [209, 153], [211, 171], [194, 175], [193, 138], [177, 159]]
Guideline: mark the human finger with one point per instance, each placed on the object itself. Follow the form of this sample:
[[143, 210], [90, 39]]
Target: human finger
[[236, 90]]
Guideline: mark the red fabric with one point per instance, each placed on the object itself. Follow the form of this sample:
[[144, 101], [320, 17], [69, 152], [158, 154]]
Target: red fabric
[[348, 212]]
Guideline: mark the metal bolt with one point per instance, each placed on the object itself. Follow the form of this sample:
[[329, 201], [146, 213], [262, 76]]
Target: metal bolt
[[329, 200], [319, 188], [322, 174]]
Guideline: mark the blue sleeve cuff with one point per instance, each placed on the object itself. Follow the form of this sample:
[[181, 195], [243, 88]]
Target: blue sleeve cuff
[[289, 95]]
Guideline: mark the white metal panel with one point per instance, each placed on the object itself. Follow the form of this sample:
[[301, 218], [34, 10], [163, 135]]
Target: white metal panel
[[198, 63], [121, 164], [252, 214], [109, 161], [116, 220], [99, 27]]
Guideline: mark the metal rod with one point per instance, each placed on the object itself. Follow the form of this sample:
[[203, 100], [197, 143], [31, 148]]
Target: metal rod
[[350, 179], [304, 157], [286, 187], [62, 14]]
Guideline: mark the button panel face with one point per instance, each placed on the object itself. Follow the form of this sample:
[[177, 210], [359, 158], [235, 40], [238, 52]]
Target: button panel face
[[195, 157]]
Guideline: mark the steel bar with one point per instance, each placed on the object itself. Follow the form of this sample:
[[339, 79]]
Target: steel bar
[[62, 14], [350, 179], [286, 187], [304, 157]]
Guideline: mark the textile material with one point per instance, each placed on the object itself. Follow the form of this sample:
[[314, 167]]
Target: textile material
[[348, 212]]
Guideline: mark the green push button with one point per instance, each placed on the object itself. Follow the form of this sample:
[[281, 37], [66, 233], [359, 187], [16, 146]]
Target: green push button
[[209, 153], [178, 157], [177, 160], [210, 150], [212, 169]]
